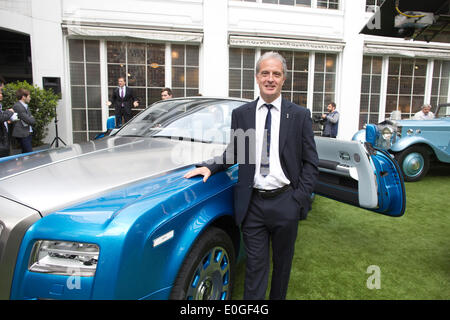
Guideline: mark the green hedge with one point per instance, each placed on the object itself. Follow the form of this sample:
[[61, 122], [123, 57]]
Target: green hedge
[[42, 106]]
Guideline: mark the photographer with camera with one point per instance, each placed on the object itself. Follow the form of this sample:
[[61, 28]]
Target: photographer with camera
[[330, 121]]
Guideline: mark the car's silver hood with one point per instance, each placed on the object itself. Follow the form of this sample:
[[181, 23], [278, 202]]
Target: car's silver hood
[[57, 178]]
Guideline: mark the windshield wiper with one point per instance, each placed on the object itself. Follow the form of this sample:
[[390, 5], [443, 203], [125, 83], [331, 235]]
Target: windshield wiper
[[181, 138]]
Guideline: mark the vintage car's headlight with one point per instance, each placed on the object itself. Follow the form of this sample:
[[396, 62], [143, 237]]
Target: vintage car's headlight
[[64, 258], [387, 133]]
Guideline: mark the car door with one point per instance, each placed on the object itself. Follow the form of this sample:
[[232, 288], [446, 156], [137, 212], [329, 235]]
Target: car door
[[355, 173]]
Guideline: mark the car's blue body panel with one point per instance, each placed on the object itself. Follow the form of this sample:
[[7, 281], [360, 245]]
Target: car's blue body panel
[[123, 193], [124, 224]]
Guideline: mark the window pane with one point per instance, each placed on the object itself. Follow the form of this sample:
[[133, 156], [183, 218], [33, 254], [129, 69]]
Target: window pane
[[247, 79], [376, 84], [77, 73], [377, 64], [78, 97], [177, 55], [92, 50], [248, 58], [364, 103], [94, 98], [301, 61], [93, 73], [191, 77], [420, 67], [235, 58], [156, 77], [235, 79], [419, 86], [136, 53], [78, 120], [76, 50], [116, 52], [287, 2], [300, 81], [177, 77], [156, 54], [114, 72], [191, 56], [330, 63], [318, 82], [303, 3], [95, 120], [136, 76]]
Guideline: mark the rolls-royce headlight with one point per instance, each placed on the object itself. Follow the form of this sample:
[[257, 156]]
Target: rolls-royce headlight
[[387, 133], [64, 258]]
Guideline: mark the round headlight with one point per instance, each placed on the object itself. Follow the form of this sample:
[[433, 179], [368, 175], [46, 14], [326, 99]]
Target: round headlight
[[387, 133]]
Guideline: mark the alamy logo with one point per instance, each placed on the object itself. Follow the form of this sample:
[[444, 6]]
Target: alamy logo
[[375, 21], [374, 281]]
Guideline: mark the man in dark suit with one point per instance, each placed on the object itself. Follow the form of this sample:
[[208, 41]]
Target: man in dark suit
[[123, 100], [277, 174], [23, 129]]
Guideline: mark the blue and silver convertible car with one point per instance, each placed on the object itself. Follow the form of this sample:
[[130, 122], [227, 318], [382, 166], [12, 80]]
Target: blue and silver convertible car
[[415, 144], [115, 219]]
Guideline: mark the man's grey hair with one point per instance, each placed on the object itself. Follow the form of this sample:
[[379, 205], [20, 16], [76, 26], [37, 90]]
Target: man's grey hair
[[270, 55], [426, 105]]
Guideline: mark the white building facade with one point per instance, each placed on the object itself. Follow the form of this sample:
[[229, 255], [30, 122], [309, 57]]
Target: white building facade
[[211, 46]]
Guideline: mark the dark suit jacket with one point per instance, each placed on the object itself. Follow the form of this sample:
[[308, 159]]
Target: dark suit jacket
[[127, 100], [297, 149], [22, 127], [5, 115]]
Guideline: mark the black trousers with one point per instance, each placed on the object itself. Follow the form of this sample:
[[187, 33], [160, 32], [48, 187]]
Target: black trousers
[[269, 220], [122, 111]]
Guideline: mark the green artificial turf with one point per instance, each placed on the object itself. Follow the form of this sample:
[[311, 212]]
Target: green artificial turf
[[338, 242]]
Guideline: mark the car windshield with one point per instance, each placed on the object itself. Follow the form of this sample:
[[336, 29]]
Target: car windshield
[[205, 120], [444, 111]]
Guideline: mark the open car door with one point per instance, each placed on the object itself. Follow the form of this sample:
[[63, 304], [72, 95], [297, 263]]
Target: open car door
[[357, 174]]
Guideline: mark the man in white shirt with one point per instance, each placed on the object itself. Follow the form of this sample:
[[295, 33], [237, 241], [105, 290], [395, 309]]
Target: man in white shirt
[[424, 114], [273, 192]]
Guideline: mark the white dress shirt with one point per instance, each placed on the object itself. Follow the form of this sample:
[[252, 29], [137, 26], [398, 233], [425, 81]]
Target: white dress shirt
[[276, 178]]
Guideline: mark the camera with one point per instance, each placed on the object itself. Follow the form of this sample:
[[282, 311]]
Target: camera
[[318, 119]]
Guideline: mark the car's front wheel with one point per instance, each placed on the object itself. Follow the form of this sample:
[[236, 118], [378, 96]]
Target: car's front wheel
[[414, 162], [208, 270]]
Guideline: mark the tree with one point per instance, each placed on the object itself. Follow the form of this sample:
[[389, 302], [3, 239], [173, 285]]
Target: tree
[[42, 106]]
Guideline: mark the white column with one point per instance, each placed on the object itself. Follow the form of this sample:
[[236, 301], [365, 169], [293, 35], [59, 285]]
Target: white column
[[47, 51], [214, 71], [351, 69]]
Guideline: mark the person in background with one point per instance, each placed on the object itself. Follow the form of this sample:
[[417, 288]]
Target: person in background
[[23, 129], [330, 127], [123, 100], [424, 114], [5, 117], [166, 93]]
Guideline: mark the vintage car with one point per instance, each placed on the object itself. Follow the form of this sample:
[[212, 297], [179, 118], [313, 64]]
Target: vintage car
[[414, 143], [114, 218]]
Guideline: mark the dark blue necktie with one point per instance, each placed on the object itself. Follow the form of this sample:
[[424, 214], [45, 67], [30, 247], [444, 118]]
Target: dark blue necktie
[[265, 154]]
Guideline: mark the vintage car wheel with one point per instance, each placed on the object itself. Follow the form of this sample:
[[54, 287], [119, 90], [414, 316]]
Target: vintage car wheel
[[208, 270], [414, 162]]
